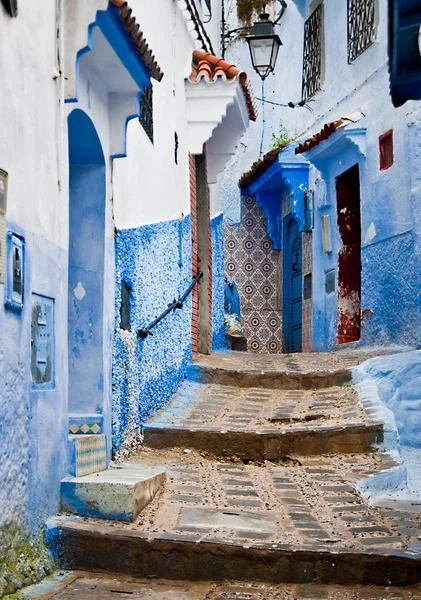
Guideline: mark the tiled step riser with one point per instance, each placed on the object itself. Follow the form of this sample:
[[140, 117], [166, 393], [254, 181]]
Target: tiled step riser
[[250, 445], [177, 557], [87, 454], [268, 380]]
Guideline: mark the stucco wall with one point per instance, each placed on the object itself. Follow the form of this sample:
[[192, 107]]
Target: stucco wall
[[146, 373], [32, 423]]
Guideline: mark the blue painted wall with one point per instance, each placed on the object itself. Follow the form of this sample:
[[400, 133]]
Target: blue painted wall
[[218, 283], [147, 372], [86, 266], [33, 422]]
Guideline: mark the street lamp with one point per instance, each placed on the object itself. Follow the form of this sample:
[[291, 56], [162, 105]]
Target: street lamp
[[264, 45]]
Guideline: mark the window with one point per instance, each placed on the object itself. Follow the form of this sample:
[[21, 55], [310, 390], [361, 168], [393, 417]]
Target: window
[[361, 26], [312, 56], [125, 306], [146, 112], [386, 150], [11, 6]]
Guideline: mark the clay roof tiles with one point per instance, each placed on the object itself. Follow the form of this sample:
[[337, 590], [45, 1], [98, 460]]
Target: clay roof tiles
[[327, 130], [260, 166], [138, 39], [210, 68]]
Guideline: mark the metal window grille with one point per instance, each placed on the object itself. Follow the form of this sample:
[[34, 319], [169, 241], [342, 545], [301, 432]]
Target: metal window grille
[[361, 26], [146, 112], [312, 56]]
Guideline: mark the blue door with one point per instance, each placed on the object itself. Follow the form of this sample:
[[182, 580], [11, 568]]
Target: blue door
[[294, 289]]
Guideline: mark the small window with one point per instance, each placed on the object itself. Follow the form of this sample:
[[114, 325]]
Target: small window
[[361, 26], [312, 55], [125, 306], [176, 145], [146, 111], [330, 282], [307, 285], [11, 6], [386, 150]]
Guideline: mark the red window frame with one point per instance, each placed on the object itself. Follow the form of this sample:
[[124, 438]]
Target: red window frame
[[386, 150]]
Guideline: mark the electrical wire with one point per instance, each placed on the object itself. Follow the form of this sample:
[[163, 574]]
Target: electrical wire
[[263, 118], [289, 105]]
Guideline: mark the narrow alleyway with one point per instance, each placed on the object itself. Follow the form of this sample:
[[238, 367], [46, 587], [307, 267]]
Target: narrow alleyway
[[262, 456]]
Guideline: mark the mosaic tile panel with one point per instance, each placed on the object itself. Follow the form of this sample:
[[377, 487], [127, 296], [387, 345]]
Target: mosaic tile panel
[[87, 454], [257, 271]]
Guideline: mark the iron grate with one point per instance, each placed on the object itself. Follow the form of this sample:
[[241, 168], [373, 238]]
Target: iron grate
[[361, 26], [312, 55], [146, 112]]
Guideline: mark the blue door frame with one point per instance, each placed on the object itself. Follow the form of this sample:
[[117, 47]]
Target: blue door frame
[[292, 285]]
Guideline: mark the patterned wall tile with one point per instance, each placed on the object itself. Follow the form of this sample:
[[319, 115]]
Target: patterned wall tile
[[257, 270]]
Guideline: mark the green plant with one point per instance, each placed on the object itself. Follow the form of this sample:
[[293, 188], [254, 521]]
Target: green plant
[[282, 137], [246, 9]]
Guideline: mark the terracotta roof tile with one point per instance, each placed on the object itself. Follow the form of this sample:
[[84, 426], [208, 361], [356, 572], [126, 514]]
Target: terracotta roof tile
[[208, 67], [260, 166], [138, 39], [318, 137], [327, 131]]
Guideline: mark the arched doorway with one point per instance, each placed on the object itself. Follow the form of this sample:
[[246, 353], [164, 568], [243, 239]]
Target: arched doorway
[[293, 285], [87, 193]]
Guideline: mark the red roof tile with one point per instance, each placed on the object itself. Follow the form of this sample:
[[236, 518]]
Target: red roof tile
[[260, 166], [208, 67], [138, 39], [327, 131]]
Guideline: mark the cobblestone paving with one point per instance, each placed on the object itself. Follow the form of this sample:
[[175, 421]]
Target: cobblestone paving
[[311, 502], [300, 362], [210, 407], [89, 587]]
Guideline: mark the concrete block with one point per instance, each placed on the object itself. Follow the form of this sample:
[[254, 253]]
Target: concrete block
[[119, 494]]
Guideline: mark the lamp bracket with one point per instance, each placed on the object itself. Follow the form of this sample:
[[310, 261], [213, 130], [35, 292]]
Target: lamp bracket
[[281, 11]]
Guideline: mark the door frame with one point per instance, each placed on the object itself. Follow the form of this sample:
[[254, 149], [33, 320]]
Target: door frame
[[288, 222]]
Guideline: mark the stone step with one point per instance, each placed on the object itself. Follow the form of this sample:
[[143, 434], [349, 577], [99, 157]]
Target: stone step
[[263, 424], [86, 586], [281, 371], [261, 378], [117, 493], [104, 547], [301, 522], [269, 445]]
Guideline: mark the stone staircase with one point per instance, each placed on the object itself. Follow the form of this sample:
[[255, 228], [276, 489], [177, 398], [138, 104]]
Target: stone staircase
[[263, 455]]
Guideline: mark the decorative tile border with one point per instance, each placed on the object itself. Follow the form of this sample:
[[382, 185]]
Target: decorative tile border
[[86, 424]]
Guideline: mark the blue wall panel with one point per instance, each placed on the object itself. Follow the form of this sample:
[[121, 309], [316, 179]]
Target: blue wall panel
[[390, 290], [218, 284], [147, 372]]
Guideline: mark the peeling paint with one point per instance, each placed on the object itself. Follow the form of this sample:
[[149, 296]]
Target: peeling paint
[[79, 291], [371, 233]]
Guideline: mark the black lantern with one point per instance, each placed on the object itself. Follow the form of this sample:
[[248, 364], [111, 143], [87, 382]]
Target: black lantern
[[264, 45]]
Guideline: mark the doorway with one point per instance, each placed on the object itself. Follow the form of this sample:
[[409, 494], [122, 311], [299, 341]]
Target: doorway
[[87, 192], [293, 286], [349, 257]]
